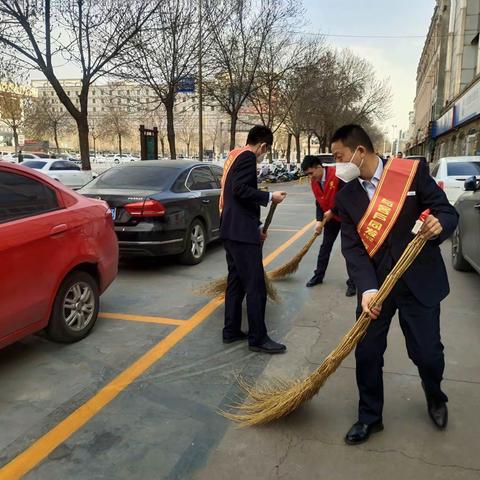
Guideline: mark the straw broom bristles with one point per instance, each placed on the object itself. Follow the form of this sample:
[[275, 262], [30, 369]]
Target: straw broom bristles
[[280, 398], [290, 267]]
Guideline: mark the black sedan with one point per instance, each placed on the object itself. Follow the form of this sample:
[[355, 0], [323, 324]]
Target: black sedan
[[466, 239], [162, 207]]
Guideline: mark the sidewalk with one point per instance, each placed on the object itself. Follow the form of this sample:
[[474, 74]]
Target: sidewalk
[[309, 444]]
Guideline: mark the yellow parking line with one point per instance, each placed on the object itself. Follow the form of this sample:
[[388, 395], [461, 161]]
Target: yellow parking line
[[41, 448], [283, 229], [141, 318]]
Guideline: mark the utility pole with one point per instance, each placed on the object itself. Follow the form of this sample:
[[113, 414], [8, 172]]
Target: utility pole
[[200, 82]]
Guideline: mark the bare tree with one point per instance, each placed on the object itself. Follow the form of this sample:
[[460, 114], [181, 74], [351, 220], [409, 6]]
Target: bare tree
[[165, 56], [187, 133], [42, 119], [237, 46], [88, 34], [116, 122], [14, 99]]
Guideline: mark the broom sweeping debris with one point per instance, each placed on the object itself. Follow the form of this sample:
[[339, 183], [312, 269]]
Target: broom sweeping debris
[[281, 398], [292, 265], [218, 287]]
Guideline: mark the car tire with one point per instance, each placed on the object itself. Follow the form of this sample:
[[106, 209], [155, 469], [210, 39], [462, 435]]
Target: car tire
[[458, 261], [75, 308], [195, 244]]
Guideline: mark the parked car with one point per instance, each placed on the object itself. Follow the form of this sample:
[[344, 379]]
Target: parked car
[[51, 277], [325, 158], [25, 156], [451, 173], [162, 207], [466, 238], [69, 173]]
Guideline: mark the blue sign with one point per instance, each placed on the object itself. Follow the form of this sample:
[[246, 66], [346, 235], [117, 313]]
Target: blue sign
[[467, 106], [186, 85], [444, 123]]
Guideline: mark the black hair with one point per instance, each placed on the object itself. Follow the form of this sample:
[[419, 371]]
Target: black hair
[[400, 153], [353, 136], [310, 161], [260, 134]]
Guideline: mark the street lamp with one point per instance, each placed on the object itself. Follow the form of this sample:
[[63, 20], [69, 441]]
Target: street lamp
[[200, 82]]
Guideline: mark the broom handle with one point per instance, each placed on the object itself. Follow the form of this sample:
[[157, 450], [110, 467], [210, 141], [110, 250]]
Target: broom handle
[[269, 218]]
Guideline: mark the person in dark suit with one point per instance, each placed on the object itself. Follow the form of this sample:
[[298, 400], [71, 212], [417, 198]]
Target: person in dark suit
[[240, 230], [325, 186], [418, 293]]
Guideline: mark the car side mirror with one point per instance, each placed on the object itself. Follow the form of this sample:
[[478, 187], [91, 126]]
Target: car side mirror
[[470, 184]]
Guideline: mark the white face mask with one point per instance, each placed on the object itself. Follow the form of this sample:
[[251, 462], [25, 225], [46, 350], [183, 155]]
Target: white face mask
[[348, 171]]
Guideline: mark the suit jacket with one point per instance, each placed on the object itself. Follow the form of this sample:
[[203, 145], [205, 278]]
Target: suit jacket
[[427, 277], [240, 219]]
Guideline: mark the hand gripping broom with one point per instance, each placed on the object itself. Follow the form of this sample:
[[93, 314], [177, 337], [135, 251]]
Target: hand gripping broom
[[277, 400], [218, 287]]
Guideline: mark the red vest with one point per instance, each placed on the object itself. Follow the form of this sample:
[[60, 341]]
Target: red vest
[[326, 197]]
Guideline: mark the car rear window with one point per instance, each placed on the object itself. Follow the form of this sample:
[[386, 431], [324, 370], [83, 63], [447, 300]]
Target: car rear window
[[463, 168], [152, 177], [38, 164]]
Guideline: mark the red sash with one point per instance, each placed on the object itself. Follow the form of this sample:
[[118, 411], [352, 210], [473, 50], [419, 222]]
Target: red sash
[[387, 203], [232, 156], [326, 197]]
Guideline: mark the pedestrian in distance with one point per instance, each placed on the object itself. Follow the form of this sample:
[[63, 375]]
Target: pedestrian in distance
[[20, 156], [378, 207], [400, 155], [325, 185], [243, 238]]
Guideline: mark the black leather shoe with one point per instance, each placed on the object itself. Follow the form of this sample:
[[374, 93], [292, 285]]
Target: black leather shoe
[[268, 346], [360, 432], [351, 291], [235, 338], [314, 281], [437, 411]]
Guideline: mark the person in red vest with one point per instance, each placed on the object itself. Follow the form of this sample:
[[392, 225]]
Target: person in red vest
[[325, 186]]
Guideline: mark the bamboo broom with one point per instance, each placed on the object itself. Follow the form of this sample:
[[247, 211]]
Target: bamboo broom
[[218, 287], [281, 398], [290, 267]]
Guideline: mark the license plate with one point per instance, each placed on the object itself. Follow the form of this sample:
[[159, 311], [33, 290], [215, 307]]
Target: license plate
[[113, 211]]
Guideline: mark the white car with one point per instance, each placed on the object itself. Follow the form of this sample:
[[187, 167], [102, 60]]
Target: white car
[[451, 172], [63, 171], [13, 157]]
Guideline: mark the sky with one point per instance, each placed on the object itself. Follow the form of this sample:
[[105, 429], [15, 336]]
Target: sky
[[393, 58]]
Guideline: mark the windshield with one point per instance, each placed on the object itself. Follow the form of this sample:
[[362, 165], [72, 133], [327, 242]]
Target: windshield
[[154, 177], [37, 164], [463, 168]]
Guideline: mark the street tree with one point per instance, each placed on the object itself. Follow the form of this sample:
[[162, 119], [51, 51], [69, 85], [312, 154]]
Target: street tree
[[117, 123], [44, 119], [237, 47], [187, 133], [164, 56], [86, 34]]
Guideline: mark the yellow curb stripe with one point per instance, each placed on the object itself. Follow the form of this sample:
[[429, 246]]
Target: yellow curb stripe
[[141, 318], [46, 444]]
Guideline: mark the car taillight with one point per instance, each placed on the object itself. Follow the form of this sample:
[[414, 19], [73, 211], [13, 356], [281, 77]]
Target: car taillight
[[147, 208], [441, 184]]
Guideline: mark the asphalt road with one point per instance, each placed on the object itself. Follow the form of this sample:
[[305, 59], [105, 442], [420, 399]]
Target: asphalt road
[[139, 398]]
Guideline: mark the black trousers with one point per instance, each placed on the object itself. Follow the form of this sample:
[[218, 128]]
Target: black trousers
[[330, 234], [246, 277], [421, 328]]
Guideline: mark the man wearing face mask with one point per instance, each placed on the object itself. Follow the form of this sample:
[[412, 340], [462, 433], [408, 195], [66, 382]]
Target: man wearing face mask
[[242, 235], [325, 186], [378, 208]]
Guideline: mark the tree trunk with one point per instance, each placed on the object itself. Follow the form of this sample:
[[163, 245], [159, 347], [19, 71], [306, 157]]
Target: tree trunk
[[162, 143], [309, 144], [55, 137], [83, 141], [289, 147], [120, 144], [171, 129], [15, 138], [233, 128], [188, 149], [297, 146]]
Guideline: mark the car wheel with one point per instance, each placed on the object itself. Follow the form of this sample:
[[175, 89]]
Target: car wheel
[[75, 309], [196, 244], [458, 262]]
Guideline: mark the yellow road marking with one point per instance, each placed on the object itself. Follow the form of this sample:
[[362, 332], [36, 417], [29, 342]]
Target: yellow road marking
[[41, 448], [283, 229], [141, 318]]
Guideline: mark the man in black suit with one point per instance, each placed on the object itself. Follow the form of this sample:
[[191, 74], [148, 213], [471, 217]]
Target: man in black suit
[[243, 237], [418, 293]]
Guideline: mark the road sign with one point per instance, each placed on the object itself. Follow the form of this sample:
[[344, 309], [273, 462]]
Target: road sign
[[186, 85], [21, 140]]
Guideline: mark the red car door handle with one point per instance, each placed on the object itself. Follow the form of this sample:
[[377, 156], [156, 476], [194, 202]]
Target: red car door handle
[[58, 229]]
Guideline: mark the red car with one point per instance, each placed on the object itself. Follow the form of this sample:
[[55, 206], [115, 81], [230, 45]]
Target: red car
[[58, 253]]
